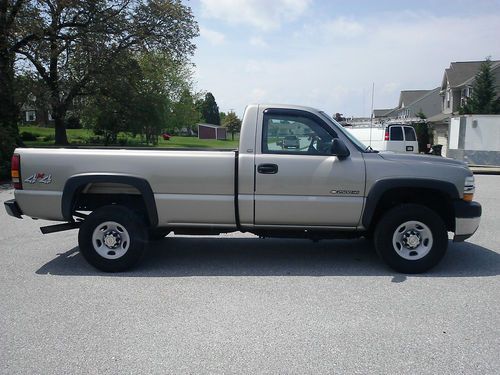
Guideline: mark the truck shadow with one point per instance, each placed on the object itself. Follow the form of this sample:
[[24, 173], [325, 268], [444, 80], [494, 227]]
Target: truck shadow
[[185, 256]]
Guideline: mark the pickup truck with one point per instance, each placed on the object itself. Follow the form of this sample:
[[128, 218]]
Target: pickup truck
[[332, 187]]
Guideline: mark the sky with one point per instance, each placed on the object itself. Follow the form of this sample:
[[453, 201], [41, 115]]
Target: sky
[[327, 54]]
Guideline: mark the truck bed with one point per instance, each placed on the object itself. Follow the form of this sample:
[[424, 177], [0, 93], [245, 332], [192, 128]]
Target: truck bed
[[174, 176]]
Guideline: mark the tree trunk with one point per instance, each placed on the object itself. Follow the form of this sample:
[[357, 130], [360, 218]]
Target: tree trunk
[[9, 111], [61, 138]]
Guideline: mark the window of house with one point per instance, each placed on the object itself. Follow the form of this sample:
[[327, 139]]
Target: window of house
[[396, 133], [30, 116], [294, 134], [448, 99]]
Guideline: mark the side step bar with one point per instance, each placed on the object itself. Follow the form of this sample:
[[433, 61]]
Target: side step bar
[[60, 227]]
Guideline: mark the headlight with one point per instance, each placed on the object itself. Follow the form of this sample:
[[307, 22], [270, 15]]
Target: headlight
[[469, 189]]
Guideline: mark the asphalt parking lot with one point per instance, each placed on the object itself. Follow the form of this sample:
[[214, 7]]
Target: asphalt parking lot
[[237, 304]]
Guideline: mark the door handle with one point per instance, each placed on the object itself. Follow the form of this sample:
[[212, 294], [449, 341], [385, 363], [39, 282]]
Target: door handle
[[267, 168]]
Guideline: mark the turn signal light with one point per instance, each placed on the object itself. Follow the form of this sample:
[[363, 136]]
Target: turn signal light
[[15, 171], [386, 136], [468, 197]]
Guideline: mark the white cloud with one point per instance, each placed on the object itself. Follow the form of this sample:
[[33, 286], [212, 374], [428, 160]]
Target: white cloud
[[343, 27], [258, 95], [258, 42], [213, 37], [406, 51], [262, 14]]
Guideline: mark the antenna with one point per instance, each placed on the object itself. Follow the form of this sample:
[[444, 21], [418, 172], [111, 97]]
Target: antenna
[[371, 115]]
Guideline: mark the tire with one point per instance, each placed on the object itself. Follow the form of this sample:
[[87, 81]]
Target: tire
[[112, 238], [411, 238]]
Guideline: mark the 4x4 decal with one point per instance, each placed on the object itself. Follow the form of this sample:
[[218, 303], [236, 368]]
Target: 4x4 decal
[[41, 178]]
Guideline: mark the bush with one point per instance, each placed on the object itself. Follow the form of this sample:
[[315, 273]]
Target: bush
[[27, 136], [48, 138], [73, 122]]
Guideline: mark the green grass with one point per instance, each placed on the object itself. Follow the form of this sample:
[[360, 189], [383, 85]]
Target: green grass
[[79, 136]]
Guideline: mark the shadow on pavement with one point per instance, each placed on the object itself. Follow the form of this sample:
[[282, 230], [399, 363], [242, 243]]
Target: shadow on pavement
[[188, 256]]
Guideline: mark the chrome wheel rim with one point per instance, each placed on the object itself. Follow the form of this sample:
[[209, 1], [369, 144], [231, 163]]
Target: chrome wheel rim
[[412, 240], [110, 240]]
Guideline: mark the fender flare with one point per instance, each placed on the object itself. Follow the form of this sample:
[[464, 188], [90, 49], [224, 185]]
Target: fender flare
[[75, 183], [381, 186]]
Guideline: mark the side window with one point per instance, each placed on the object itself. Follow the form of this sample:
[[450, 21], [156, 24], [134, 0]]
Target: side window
[[290, 134], [396, 133], [410, 134]]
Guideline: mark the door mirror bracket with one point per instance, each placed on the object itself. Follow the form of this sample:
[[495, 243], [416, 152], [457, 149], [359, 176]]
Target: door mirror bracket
[[339, 149]]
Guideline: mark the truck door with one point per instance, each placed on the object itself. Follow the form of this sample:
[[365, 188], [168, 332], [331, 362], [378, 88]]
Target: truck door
[[304, 186]]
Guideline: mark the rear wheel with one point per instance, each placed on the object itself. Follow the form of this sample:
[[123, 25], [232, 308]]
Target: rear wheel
[[112, 238], [411, 238]]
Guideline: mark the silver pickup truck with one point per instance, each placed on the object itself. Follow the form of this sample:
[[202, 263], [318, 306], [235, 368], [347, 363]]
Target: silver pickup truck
[[328, 186]]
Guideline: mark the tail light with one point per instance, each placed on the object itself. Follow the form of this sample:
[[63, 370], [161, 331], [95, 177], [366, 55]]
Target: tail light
[[15, 171], [386, 136]]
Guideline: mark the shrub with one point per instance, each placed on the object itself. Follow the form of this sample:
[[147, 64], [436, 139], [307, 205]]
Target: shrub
[[73, 122], [27, 136]]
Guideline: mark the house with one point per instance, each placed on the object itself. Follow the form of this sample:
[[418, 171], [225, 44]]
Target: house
[[458, 79], [33, 113], [210, 131], [455, 90], [412, 102], [381, 113]]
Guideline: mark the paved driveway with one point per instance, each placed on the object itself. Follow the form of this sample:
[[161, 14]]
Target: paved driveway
[[235, 304]]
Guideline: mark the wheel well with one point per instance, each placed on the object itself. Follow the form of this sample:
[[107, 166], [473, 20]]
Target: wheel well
[[436, 200], [86, 194]]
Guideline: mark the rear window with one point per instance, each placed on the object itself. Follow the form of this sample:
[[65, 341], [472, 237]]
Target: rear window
[[410, 134], [396, 133]]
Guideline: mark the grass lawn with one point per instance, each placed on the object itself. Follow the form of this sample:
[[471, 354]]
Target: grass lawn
[[78, 136]]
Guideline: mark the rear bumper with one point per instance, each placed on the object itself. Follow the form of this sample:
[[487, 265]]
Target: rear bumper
[[467, 219], [13, 209]]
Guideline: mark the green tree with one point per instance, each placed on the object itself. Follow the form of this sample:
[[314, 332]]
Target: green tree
[[232, 123], [422, 130], [484, 97], [185, 113], [71, 43], [210, 110], [146, 94], [10, 39], [222, 116]]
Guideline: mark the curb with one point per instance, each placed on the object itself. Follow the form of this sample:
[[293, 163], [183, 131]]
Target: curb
[[485, 169]]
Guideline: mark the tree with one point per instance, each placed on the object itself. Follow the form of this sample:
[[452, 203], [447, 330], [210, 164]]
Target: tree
[[71, 44], [484, 97], [9, 110], [185, 113], [232, 123], [422, 130], [209, 110], [147, 93]]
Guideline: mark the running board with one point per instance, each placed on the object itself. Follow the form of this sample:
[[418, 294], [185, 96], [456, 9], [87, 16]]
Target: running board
[[59, 227]]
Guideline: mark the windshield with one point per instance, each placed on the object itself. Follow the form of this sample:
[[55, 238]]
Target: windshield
[[352, 138]]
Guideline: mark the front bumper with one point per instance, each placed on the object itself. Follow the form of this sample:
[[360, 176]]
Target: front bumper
[[13, 209], [467, 219]]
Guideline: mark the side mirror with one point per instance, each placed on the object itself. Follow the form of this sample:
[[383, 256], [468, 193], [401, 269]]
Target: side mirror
[[339, 149]]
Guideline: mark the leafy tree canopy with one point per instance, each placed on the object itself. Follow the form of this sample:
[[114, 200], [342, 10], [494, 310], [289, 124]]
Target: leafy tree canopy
[[484, 96], [232, 123], [209, 109]]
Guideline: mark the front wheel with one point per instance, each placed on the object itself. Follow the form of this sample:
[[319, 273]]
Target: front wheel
[[411, 238], [112, 238]]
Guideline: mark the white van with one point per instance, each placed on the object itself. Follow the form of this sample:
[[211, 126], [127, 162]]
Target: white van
[[391, 137]]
